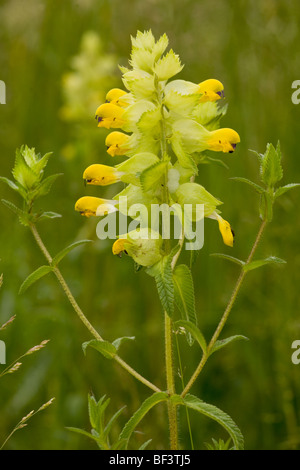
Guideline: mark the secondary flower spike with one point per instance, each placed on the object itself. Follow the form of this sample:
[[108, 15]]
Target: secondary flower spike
[[101, 175], [223, 140], [89, 206], [211, 90], [116, 143], [109, 115]]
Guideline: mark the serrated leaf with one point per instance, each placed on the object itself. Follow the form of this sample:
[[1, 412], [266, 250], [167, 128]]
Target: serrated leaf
[[162, 272], [168, 66], [106, 348], [57, 258], [217, 415], [149, 120], [42, 162], [13, 208], [284, 189], [229, 258], [45, 186], [259, 189], [184, 294], [262, 262], [152, 175], [266, 206], [35, 276], [271, 170], [224, 342], [194, 331], [141, 412]]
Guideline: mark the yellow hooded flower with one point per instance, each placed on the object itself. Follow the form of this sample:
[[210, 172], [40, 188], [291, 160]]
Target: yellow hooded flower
[[89, 206], [211, 90], [117, 96], [226, 231], [223, 140], [101, 175], [110, 115], [116, 143]]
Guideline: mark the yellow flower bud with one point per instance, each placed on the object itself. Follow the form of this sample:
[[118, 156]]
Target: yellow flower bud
[[211, 90], [101, 175], [223, 140], [88, 205], [109, 115], [226, 231], [116, 143], [117, 96]]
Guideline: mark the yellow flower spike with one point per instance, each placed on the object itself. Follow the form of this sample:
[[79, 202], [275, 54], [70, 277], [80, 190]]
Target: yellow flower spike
[[211, 90], [119, 246], [116, 143], [88, 205], [226, 231], [110, 115], [101, 175], [114, 96], [223, 140]]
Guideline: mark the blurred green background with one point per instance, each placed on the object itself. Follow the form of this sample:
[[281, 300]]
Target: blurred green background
[[58, 59]]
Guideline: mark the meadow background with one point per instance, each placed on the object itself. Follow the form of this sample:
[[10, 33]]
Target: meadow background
[[58, 59]]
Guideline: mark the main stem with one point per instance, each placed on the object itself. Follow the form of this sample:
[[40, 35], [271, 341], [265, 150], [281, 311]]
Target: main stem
[[80, 313], [226, 312], [172, 410]]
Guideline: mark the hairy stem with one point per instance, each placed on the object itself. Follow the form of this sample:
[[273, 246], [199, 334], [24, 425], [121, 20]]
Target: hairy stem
[[168, 323], [80, 313], [226, 312]]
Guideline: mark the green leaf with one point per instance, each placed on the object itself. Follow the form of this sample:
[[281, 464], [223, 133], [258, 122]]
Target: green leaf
[[284, 189], [194, 331], [10, 183], [141, 412], [13, 208], [49, 215], [112, 420], [117, 342], [266, 206], [83, 433], [271, 170], [223, 342], [184, 294], [153, 175], [67, 250], [45, 186], [215, 414], [106, 348], [162, 272], [255, 186], [143, 446], [229, 258], [262, 262], [35, 276]]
